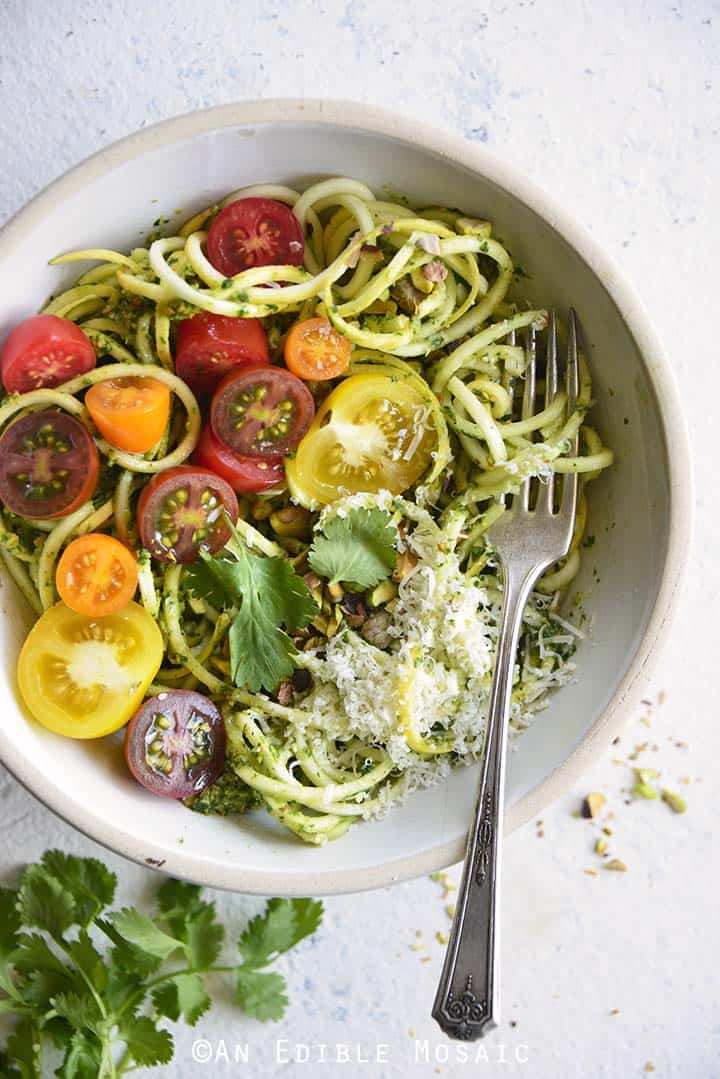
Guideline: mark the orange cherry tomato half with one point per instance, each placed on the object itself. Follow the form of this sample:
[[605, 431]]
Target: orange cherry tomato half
[[314, 350], [96, 575], [131, 413]]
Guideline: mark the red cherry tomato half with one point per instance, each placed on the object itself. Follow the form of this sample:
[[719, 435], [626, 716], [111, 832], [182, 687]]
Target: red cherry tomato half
[[49, 465], [255, 232], [181, 513], [244, 474], [261, 411], [44, 351], [209, 346], [175, 744]]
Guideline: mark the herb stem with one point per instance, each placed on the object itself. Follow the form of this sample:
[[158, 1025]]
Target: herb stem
[[145, 989]]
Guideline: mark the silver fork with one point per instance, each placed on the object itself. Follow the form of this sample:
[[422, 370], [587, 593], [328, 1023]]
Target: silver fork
[[527, 541]]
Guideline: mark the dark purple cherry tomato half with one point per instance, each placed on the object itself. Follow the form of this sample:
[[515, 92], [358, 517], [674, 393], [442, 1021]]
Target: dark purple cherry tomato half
[[181, 512], [261, 411], [49, 465], [175, 744], [255, 232]]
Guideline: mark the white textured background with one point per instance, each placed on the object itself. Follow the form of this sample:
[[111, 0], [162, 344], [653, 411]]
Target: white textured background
[[614, 107]]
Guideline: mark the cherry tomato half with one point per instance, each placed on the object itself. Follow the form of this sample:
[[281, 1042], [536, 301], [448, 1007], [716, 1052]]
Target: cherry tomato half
[[261, 411], [131, 413], [314, 350], [175, 744], [180, 513], [209, 346], [244, 474], [84, 677], [44, 351], [373, 432], [255, 232], [49, 465], [96, 575]]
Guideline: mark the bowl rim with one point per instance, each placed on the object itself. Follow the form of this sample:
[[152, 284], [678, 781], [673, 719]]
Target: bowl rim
[[453, 147]]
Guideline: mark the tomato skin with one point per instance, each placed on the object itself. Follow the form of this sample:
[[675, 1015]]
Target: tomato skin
[[47, 448], [261, 411], [130, 413], [210, 346], [246, 475], [96, 575], [171, 513], [314, 350], [255, 232], [44, 351], [164, 736], [118, 656]]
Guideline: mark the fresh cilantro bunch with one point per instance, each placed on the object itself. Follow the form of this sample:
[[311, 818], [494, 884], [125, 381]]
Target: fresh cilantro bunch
[[100, 1010], [358, 549], [268, 599]]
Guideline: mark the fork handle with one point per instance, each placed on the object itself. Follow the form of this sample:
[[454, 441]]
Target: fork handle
[[467, 1001]]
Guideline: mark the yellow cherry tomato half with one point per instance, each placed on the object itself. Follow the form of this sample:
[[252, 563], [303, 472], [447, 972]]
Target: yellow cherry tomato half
[[314, 350], [85, 677], [374, 432], [96, 575], [131, 413]]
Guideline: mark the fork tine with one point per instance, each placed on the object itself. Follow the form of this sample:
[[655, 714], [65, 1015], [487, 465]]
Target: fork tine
[[547, 490], [568, 502], [528, 405]]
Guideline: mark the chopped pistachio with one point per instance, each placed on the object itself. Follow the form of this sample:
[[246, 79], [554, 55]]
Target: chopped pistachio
[[601, 845], [441, 938], [644, 790], [590, 872], [607, 831], [383, 592], [615, 1011], [676, 802], [649, 1067], [450, 910], [593, 804], [617, 865]]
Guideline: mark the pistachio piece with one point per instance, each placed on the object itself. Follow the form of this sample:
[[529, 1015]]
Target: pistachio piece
[[676, 802], [382, 593], [601, 845], [593, 804], [292, 521], [616, 865]]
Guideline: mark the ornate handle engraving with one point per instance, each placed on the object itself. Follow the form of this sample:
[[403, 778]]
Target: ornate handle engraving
[[467, 1000]]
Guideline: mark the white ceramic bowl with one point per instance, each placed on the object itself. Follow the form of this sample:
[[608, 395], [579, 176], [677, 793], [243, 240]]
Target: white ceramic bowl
[[639, 512]]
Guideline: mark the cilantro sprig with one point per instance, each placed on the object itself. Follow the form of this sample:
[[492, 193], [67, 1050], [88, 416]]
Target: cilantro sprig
[[91, 988], [268, 598], [358, 549]]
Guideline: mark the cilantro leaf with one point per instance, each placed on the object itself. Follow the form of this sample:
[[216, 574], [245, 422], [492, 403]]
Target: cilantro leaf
[[88, 959], [80, 1010], [126, 957], [147, 1043], [192, 921], [282, 925], [91, 884], [138, 929], [268, 595], [184, 996], [9, 921], [43, 901], [261, 995], [358, 549]]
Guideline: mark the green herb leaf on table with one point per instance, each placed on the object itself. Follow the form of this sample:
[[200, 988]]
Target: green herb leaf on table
[[270, 599], [358, 549], [103, 1009]]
